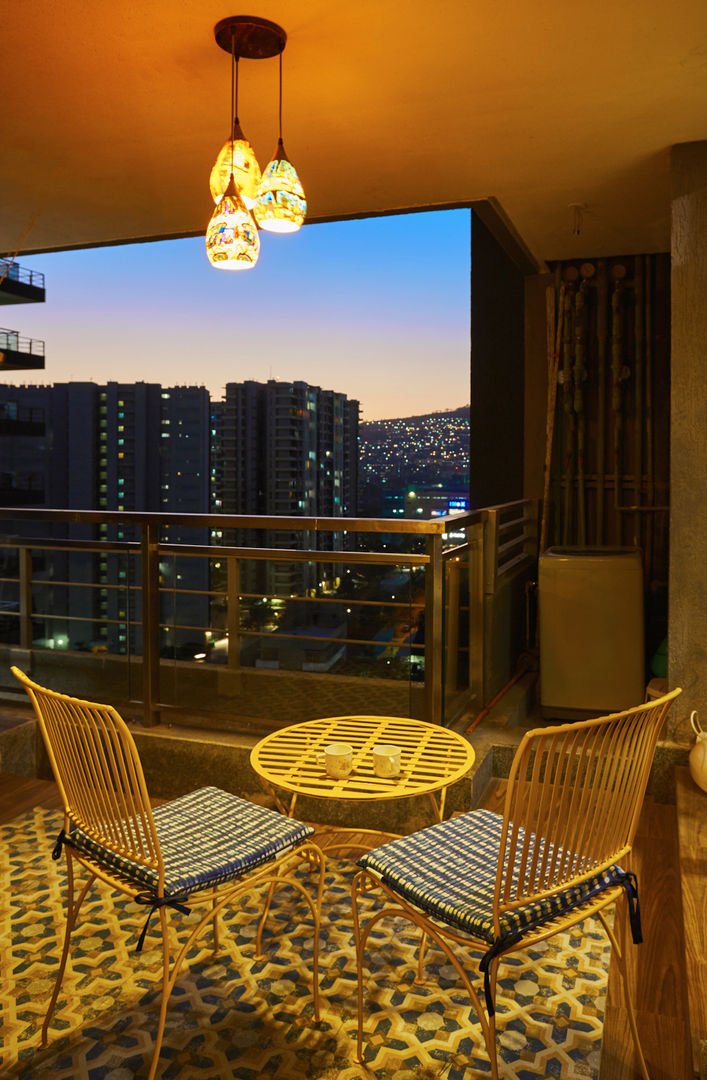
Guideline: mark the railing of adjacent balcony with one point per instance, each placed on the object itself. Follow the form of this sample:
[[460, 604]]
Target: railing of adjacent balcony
[[11, 340], [246, 623], [14, 272]]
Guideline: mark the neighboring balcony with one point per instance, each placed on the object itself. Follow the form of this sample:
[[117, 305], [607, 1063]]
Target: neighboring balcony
[[412, 618], [20, 353], [19, 285]]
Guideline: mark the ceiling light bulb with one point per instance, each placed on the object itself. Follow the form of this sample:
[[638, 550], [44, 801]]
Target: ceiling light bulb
[[238, 157], [232, 241], [280, 206]]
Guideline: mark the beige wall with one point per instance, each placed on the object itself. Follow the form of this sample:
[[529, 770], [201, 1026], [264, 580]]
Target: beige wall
[[687, 620]]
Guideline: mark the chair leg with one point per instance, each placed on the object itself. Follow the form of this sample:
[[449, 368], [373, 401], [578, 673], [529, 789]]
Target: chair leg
[[490, 1030], [419, 979], [360, 885], [167, 983], [72, 910], [261, 921], [215, 924], [619, 957]]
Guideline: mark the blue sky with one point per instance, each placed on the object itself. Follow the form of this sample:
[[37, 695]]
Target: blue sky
[[377, 309]]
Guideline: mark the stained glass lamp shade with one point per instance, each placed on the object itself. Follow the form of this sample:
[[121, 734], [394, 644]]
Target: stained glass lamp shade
[[232, 241], [246, 171], [280, 206]]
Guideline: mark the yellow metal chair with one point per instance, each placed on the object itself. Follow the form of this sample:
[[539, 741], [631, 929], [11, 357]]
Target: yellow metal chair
[[204, 848], [504, 882]]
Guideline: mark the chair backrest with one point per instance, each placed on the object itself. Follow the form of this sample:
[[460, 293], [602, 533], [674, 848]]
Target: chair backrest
[[98, 772], [573, 801]]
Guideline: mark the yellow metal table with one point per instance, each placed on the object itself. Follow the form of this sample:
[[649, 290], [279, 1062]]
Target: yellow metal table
[[431, 759]]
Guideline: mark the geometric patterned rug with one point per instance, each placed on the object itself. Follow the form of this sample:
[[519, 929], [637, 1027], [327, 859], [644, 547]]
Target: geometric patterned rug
[[237, 1017]]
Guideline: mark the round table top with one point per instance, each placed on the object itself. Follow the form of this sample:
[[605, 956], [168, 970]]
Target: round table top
[[432, 757]]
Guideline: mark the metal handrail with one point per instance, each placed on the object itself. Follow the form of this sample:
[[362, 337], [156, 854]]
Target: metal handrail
[[11, 341], [486, 546], [14, 272]]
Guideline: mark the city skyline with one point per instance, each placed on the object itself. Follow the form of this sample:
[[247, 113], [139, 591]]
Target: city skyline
[[360, 306]]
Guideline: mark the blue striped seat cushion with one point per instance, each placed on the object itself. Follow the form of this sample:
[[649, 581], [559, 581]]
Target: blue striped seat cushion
[[449, 871], [206, 837]]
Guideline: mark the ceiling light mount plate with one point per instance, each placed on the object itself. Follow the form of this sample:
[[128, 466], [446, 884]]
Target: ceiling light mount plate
[[255, 39]]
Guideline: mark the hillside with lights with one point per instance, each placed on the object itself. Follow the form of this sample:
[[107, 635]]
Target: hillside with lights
[[429, 451]]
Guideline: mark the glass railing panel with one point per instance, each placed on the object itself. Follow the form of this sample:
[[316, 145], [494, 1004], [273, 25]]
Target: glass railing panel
[[322, 634], [254, 625], [75, 612], [9, 596]]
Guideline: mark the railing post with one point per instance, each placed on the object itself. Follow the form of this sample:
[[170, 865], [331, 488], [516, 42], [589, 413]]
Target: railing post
[[150, 568], [434, 594], [233, 612], [451, 626], [475, 539], [490, 550], [25, 598]]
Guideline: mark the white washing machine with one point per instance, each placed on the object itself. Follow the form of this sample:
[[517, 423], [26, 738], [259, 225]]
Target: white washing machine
[[590, 607]]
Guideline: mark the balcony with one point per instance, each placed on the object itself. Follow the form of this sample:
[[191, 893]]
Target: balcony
[[19, 285], [412, 618], [20, 353]]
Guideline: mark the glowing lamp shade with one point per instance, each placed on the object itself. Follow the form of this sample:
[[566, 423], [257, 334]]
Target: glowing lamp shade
[[238, 157], [280, 206], [232, 241]]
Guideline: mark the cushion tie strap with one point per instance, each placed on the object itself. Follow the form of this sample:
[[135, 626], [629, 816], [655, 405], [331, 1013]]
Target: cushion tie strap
[[61, 839], [626, 878], [499, 946], [156, 902], [630, 884]]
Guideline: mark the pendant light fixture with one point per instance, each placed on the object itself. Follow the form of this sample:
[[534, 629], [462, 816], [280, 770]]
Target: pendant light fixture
[[237, 156], [276, 200], [232, 241], [280, 206]]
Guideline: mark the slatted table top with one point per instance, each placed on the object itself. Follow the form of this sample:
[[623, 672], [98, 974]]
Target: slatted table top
[[431, 757]]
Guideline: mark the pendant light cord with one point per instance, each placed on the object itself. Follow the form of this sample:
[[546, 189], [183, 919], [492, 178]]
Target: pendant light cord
[[234, 93], [280, 103]]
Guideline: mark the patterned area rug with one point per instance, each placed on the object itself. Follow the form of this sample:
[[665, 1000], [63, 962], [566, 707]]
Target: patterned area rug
[[237, 1017]]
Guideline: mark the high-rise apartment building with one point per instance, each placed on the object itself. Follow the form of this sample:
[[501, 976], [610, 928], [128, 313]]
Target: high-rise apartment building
[[286, 449], [125, 447]]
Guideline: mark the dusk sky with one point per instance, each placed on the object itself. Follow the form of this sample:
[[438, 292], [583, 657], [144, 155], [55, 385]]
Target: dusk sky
[[377, 309]]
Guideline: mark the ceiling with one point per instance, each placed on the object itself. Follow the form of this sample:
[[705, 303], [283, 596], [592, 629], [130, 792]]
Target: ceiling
[[113, 113]]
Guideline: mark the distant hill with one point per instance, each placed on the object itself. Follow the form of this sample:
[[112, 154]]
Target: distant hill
[[461, 414], [429, 448]]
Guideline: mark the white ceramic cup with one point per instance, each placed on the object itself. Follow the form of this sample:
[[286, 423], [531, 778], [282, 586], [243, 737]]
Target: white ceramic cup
[[386, 760], [338, 759]]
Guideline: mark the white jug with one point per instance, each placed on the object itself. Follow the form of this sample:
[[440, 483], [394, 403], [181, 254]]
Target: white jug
[[698, 754]]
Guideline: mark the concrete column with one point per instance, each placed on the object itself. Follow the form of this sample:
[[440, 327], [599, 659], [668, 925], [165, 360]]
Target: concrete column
[[687, 616]]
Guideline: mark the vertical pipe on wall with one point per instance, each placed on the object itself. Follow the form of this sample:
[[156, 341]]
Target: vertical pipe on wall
[[616, 356], [580, 309], [638, 344], [553, 314], [602, 302], [648, 395], [568, 464]]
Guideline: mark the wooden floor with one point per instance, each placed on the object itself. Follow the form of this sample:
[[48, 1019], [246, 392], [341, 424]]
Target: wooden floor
[[657, 971]]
